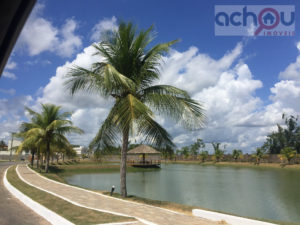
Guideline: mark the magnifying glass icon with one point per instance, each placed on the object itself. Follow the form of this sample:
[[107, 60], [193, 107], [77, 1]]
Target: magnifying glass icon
[[264, 26]]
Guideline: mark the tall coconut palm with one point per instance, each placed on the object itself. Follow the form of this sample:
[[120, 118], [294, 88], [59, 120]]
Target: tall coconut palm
[[126, 74], [48, 128]]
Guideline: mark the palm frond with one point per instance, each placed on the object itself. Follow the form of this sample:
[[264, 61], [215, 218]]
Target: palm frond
[[174, 103], [152, 132]]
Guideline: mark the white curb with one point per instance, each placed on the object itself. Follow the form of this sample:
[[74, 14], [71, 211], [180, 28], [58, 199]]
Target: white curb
[[78, 204], [233, 220], [47, 214]]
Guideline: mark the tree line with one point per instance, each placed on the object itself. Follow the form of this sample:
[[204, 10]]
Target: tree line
[[286, 140]]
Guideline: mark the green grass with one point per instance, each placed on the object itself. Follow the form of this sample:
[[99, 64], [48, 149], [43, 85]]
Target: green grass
[[187, 209], [75, 214], [240, 164]]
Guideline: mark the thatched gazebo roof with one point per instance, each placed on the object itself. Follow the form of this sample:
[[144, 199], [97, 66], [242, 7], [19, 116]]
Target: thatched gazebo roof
[[143, 149]]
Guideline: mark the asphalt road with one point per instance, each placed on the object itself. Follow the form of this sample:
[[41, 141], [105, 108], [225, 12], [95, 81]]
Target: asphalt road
[[12, 211]]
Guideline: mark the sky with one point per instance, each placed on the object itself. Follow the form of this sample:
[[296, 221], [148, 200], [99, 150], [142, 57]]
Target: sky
[[244, 83]]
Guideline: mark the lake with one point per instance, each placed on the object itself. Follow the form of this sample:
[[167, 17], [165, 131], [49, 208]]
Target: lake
[[251, 192]]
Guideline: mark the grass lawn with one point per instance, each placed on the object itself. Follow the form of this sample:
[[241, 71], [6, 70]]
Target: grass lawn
[[75, 214]]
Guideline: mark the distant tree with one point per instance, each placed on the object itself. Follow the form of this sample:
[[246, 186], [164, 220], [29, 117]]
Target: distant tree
[[185, 152], [258, 155], [167, 152], [218, 153], [284, 137], [237, 154], [2, 145], [288, 153], [48, 128], [194, 148], [203, 155]]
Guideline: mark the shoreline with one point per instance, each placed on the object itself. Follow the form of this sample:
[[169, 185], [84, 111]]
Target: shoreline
[[238, 164]]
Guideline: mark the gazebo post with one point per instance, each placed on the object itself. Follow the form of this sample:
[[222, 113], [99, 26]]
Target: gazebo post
[[144, 158]]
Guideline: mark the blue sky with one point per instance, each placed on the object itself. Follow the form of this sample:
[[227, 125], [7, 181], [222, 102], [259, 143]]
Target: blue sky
[[263, 71]]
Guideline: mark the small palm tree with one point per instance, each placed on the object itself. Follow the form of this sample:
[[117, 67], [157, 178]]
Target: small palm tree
[[126, 74], [237, 154], [31, 143], [258, 155], [185, 151], [288, 153], [203, 155], [48, 128], [218, 154]]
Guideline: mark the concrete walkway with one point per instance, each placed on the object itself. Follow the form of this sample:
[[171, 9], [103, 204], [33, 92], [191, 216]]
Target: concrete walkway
[[12, 211], [144, 213]]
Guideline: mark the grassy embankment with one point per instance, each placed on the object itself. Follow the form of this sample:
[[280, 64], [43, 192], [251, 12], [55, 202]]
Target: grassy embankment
[[61, 170], [75, 214], [238, 164]]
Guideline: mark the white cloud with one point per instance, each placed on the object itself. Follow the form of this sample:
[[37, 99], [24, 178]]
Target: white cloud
[[40, 35], [103, 26], [9, 91], [292, 71], [298, 46], [12, 114], [11, 65], [195, 71], [251, 29], [70, 42], [9, 75]]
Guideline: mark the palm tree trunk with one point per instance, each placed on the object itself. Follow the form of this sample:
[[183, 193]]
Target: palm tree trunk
[[32, 158], [42, 160], [38, 160], [47, 157], [123, 163]]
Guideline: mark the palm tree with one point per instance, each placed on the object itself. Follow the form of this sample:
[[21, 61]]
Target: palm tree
[[218, 152], [258, 155], [203, 155], [126, 74], [31, 143], [48, 128], [236, 154], [288, 153]]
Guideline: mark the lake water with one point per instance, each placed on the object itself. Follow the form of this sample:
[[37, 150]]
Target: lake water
[[251, 192]]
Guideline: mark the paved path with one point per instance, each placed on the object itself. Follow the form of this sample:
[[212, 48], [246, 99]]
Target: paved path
[[106, 203], [12, 211]]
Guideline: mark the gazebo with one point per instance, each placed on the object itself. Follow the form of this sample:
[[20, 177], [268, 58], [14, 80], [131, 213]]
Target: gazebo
[[144, 156]]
